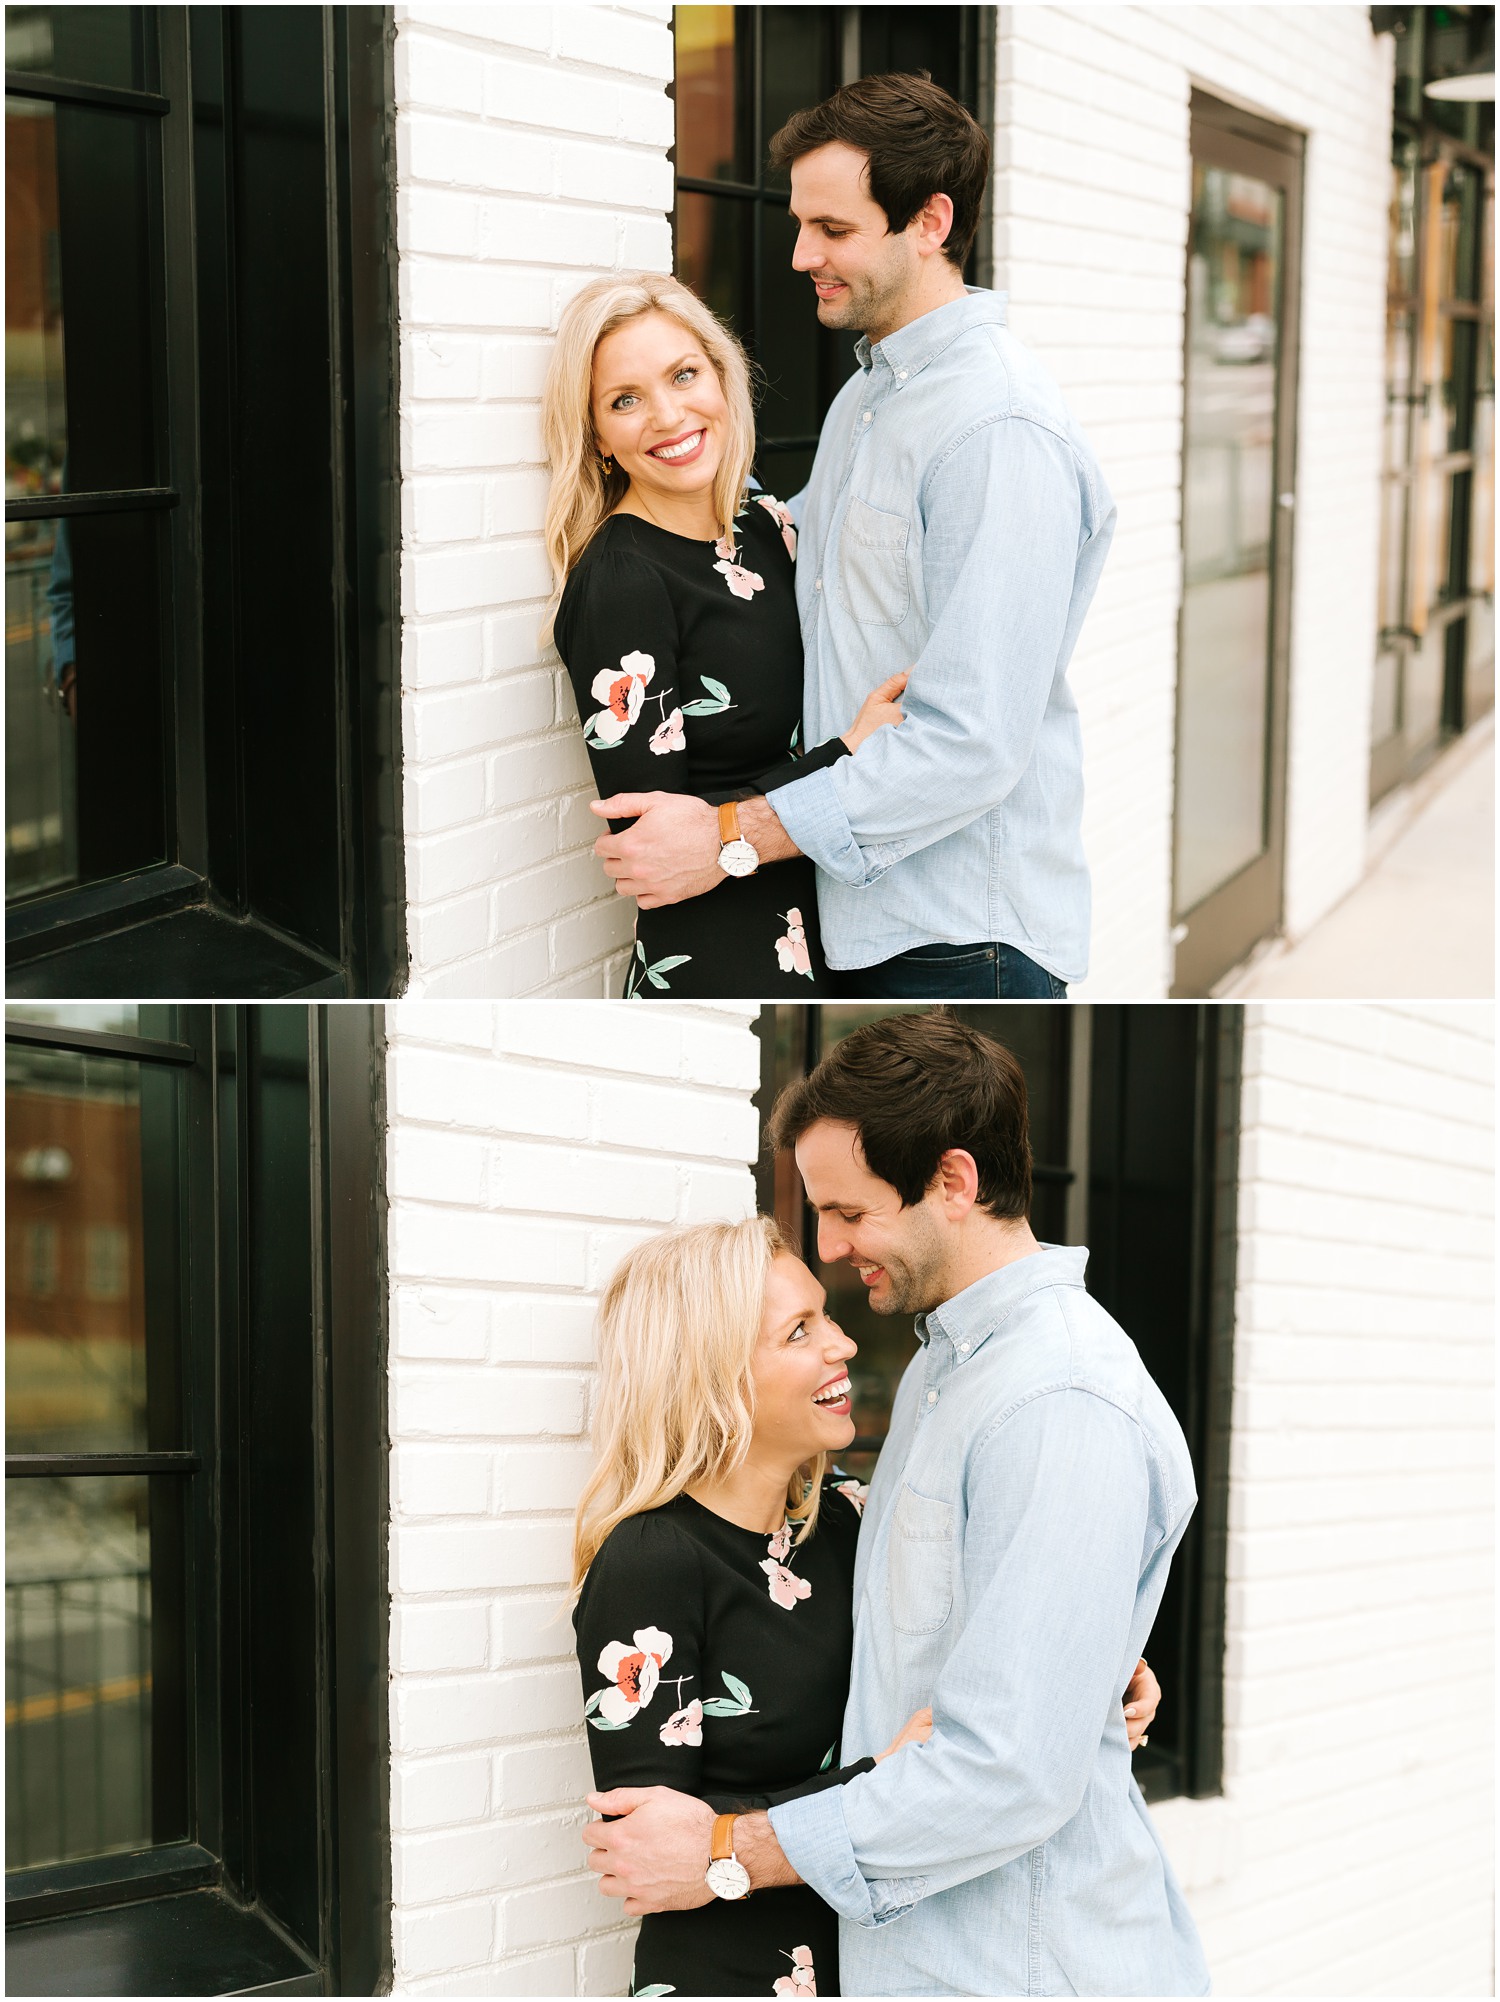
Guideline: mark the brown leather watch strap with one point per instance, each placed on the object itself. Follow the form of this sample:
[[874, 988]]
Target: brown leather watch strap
[[729, 823], [721, 1842]]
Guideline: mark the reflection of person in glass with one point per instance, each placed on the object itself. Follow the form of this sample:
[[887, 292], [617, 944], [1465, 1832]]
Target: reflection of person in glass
[[677, 617], [63, 671], [1012, 1555], [955, 519]]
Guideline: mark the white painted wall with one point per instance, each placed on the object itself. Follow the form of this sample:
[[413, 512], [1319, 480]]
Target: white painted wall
[[531, 146], [532, 153], [1352, 1852], [529, 1145], [1092, 197]]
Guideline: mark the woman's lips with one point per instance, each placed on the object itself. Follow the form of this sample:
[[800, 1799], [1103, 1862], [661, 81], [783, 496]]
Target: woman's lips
[[679, 458]]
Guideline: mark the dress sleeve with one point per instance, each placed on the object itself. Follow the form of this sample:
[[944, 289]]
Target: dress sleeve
[[618, 637], [640, 1626]]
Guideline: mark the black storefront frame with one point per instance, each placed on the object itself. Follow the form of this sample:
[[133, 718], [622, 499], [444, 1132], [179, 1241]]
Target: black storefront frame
[[184, 1916], [95, 938]]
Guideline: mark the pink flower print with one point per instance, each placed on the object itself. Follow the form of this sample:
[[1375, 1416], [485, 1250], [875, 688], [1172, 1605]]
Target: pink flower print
[[858, 1492], [725, 547], [668, 734], [634, 1672], [781, 1543], [802, 1980], [744, 583], [779, 511], [622, 695], [785, 1587], [685, 1726], [791, 951]]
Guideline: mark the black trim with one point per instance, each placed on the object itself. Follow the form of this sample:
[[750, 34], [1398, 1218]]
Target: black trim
[[54, 1889], [63, 1466], [96, 1042], [63, 90], [48, 924], [125, 500]]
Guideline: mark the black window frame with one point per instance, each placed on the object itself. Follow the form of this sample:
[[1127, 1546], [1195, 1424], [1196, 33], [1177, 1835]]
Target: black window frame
[[210, 1914], [1102, 1193], [192, 924]]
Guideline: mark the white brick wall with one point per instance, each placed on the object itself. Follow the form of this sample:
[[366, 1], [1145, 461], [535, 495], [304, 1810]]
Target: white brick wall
[[529, 1146], [531, 147], [1352, 1852], [1092, 195], [532, 152]]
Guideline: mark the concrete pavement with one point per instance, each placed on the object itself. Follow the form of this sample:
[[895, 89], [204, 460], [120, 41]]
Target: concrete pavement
[[1421, 923]]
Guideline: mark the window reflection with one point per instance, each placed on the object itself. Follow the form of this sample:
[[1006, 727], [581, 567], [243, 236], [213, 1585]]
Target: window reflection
[[713, 139], [1234, 277], [35, 402], [75, 1312], [86, 44]]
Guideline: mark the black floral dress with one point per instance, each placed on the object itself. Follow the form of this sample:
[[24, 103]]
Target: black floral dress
[[716, 1660], [686, 660]]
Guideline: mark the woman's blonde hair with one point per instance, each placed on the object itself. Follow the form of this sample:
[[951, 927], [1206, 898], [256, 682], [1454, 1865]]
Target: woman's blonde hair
[[582, 493], [675, 1401]]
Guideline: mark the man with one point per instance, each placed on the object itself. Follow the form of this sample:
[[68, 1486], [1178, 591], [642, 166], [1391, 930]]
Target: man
[[1012, 1558], [955, 524]]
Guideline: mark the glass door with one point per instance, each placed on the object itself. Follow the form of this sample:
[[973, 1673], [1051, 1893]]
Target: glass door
[[1237, 508]]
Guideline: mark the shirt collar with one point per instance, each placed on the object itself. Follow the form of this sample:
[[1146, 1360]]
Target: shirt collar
[[907, 351], [971, 1317]]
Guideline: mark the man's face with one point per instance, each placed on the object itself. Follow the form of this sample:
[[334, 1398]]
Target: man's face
[[901, 1253], [863, 275]]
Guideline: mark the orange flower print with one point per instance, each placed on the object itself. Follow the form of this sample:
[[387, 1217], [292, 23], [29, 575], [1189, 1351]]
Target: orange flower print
[[669, 734], [685, 1726], [857, 1493], [785, 1587], [781, 1543], [725, 547], [622, 695], [779, 511], [744, 583], [633, 1672], [802, 1980], [791, 952]]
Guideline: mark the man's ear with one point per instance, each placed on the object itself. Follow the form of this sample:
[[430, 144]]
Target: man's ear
[[958, 1182], [934, 221]]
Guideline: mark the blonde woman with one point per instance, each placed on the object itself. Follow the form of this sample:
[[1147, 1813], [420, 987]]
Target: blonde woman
[[675, 611], [714, 1566]]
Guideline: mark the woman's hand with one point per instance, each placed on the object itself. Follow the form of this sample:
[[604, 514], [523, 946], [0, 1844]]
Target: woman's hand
[[880, 707], [1141, 1700], [918, 1728]]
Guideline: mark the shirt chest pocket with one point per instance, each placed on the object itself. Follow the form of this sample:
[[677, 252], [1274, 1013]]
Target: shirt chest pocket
[[873, 585], [921, 1563]]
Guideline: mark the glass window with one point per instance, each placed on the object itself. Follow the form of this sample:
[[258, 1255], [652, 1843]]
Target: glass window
[[100, 45]]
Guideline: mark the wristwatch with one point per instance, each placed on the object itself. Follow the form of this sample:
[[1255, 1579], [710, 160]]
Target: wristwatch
[[726, 1877], [736, 856]]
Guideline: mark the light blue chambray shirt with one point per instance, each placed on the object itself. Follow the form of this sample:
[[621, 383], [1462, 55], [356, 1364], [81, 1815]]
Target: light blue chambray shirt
[[956, 523], [1013, 1554]]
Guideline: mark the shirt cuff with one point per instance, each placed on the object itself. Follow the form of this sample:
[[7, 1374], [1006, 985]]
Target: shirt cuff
[[814, 1838], [813, 815]]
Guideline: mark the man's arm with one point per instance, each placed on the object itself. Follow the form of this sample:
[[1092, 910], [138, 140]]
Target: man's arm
[[1058, 1529]]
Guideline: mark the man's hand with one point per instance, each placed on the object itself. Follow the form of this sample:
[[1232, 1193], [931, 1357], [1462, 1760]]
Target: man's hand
[[671, 853], [656, 1856]]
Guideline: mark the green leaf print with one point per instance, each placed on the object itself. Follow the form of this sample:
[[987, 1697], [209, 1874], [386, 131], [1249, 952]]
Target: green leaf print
[[736, 1704], [598, 743], [716, 706], [654, 973], [656, 1988], [828, 1758]]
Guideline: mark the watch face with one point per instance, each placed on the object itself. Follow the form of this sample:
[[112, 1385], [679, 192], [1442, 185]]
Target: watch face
[[728, 1878], [738, 858]]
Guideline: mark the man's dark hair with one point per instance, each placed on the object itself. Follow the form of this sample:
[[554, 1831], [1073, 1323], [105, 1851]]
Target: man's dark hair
[[913, 1086], [920, 141]]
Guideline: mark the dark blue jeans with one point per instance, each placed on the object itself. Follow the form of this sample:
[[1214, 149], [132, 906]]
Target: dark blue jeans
[[954, 973]]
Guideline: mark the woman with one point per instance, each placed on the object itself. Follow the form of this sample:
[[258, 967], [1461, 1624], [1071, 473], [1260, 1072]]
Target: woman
[[714, 1566], [676, 614]]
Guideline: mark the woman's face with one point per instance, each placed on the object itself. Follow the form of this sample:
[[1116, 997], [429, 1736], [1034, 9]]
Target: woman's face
[[802, 1400], [659, 408]]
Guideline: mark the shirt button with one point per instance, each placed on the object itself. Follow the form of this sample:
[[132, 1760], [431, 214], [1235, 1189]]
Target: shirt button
[[867, 416], [963, 1348], [900, 375], [818, 584], [932, 1397]]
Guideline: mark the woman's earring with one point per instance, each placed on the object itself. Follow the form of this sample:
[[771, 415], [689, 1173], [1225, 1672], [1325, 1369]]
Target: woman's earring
[[606, 464]]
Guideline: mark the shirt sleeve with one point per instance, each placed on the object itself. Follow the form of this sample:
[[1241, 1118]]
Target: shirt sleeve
[[1003, 527], [1059, 1527], [640, 1631], [619, 641]]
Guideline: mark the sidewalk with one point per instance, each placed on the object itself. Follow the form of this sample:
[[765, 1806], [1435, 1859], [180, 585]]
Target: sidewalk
[[1422, 922]]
